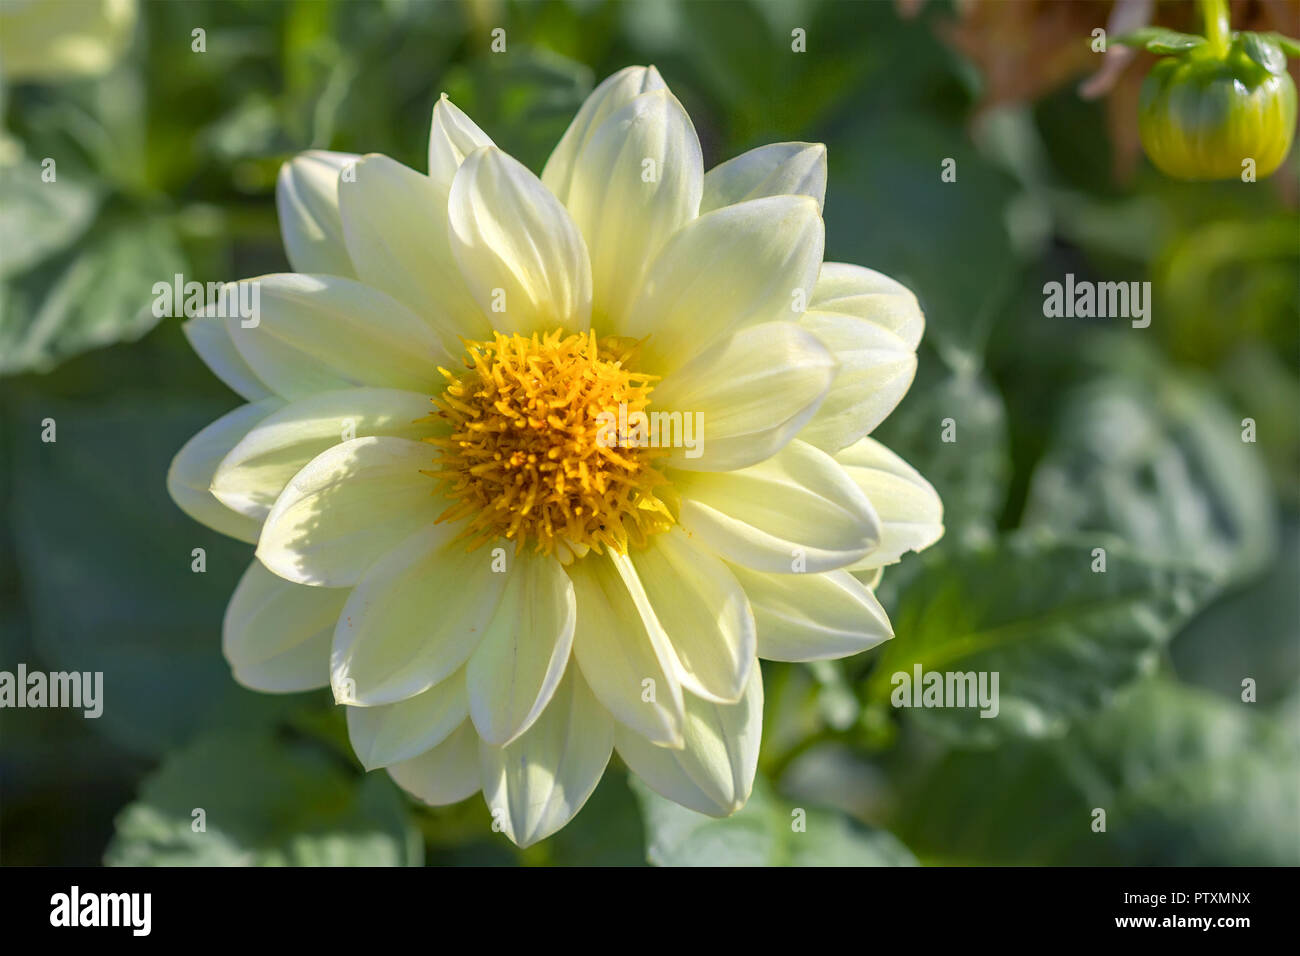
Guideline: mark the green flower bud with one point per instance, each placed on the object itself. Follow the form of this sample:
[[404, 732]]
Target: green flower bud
[[1202, 114]]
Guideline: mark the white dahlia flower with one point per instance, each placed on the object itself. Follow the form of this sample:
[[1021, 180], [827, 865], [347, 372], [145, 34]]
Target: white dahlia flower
[[500, 587]]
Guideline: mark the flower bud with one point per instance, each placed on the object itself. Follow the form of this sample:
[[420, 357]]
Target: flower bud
[[1202, 115]]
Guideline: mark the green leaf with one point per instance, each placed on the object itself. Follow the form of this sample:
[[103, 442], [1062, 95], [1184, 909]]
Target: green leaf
[[38, 218], [106, 562], [765, 832], [1261, 619], [1161, 40], [1185, 779], [1159, 461], [1264, 50], [961, 273], [101, 296], [1061, 637], [264, 802]]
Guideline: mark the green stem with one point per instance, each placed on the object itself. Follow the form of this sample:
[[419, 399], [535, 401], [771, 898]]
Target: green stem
[[1214, 14]]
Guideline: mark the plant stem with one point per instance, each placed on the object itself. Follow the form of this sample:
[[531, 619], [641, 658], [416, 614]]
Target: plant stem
[[1214, 14]]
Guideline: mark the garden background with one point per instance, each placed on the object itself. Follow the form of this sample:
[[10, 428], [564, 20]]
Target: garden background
[[1120, 690]]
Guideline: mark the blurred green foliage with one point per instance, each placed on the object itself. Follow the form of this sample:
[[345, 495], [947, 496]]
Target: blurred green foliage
[[1121, 691]]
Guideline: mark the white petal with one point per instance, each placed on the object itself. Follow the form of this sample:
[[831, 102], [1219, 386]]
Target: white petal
[[395, 223], [910, 511], [307, 200], [876, 368], [189, 479], [796, 511], [349, 506], [778, 169], [322, 333], [731, 268], [869, 295], [749, 394], [703, 610], [452, 137], [210, 338], [543, 778], [636, 182], [611, 95], [714, 772], [520, 253], [391, 733], [414, 619], [519, 663], [276, 635], [812, 617], [446, 774], [256, 470], [624, 655]]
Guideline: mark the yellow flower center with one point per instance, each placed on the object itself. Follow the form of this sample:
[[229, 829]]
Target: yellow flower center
[[532, 455]]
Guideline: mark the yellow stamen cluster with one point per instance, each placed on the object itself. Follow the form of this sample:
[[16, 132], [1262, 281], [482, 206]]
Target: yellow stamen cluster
[[529, 457]]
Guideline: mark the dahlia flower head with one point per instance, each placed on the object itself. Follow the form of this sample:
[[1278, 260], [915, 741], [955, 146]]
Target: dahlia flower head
[[500, 587]]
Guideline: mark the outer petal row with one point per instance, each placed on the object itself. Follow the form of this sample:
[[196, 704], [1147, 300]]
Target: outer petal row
[[189, 479], [276, 635], [714, 772], [910, 510], [307, 200], [872, 325]]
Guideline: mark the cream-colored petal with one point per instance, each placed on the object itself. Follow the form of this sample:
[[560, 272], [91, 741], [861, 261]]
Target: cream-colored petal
[[256, 470], [796, 511], [446, 774], [390, 733], [189, 479], [414, 619], [876, 368], [611, 95], [518, 664], [744, 398], [703, 610], [307, 201], [854, 290], [520, 252], [276, 635], [210, 339], [349, 506], [812, 617], [729, 269], [452, 137], [539, 782], [322, 333], [910, 511], [636, 182], [778, 169], [714, 772], [623, 652], [395, 223]]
